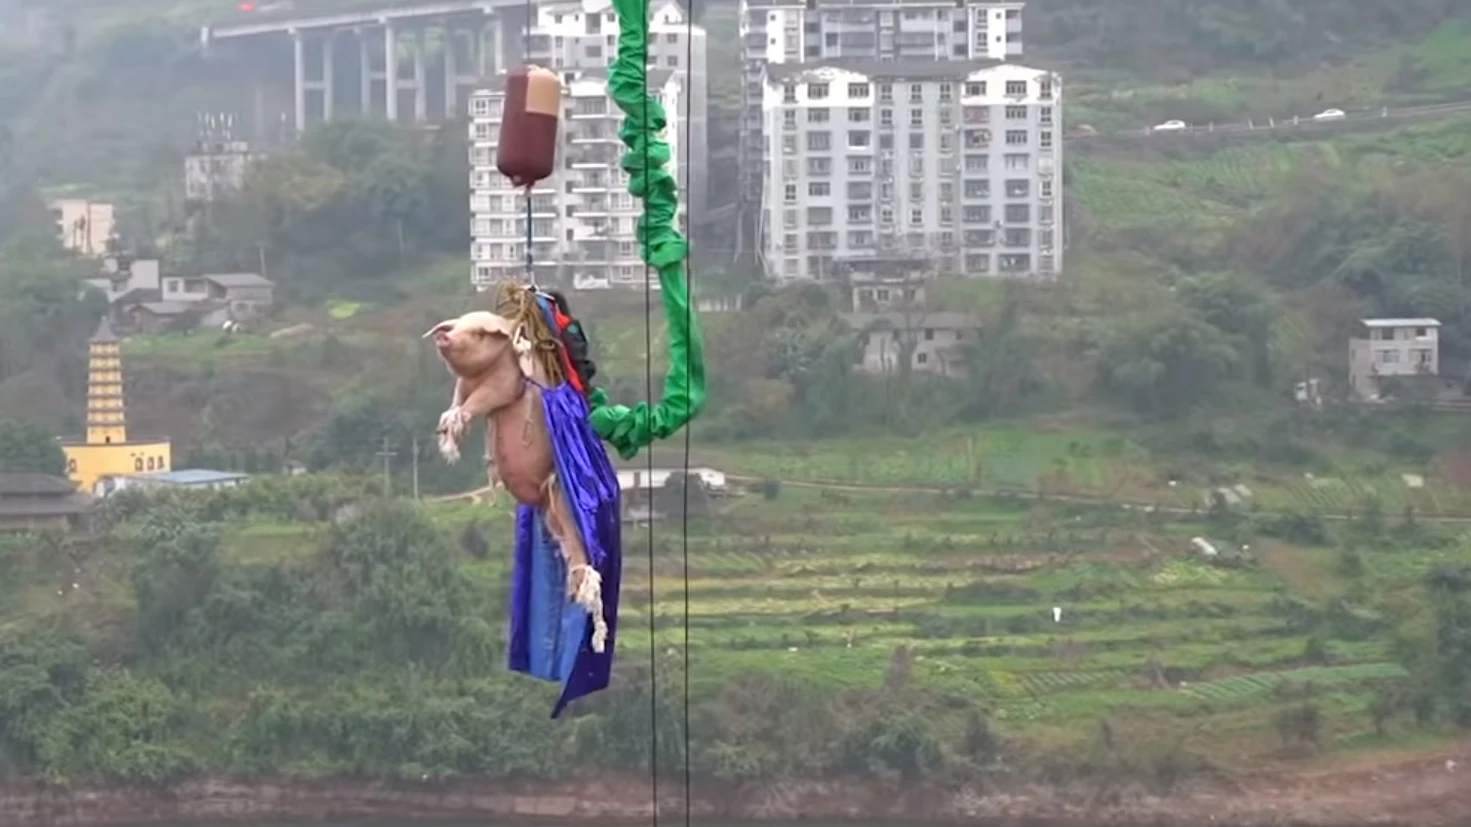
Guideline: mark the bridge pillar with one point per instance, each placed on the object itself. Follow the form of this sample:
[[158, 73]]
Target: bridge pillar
[[329, 72], [451, 72], [365, 74], [298, 45], [418, 84], [390, 70]]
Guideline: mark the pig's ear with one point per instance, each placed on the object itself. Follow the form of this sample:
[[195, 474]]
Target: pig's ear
[[492, 325], [443, 327]]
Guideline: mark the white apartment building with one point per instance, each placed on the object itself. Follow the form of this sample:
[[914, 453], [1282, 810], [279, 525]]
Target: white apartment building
[[809, 31], [953, 164], [583, 220], [584, 35]]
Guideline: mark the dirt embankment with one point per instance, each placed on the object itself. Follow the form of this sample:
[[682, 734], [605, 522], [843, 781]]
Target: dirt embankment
[[1417, 793]]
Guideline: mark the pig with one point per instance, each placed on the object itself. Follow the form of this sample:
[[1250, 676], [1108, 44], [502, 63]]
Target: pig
[[497, 377]]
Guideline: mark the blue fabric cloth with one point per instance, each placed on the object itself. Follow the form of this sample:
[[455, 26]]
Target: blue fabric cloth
[[550, 634]]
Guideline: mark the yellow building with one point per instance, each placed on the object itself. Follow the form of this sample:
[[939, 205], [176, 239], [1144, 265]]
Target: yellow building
[[107, 451]]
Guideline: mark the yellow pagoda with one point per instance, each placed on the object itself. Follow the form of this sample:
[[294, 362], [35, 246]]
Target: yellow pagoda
[[107, 452]]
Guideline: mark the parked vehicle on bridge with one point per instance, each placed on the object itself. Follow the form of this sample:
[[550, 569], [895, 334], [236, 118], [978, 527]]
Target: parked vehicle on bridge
[[1170, 126], [1330, 115]]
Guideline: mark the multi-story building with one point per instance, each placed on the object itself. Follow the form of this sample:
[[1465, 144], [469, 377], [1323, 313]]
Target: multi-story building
[[583, 220], [1402, 351], [954, 164], [808, 31], [585, 36]]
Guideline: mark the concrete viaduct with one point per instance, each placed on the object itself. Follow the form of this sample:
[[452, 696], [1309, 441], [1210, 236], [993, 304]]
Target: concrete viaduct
[[413, 62]]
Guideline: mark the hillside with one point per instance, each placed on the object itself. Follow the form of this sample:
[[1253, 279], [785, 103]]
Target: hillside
[[967, 583]]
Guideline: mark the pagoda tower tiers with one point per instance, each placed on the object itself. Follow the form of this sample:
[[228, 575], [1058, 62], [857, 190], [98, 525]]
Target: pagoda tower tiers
[[106, 451]]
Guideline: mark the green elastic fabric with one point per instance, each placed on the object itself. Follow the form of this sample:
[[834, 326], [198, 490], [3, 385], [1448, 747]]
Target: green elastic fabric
[[629, 429]]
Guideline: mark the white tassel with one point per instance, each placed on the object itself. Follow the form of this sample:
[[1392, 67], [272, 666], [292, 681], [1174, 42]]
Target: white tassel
[[589, 595]]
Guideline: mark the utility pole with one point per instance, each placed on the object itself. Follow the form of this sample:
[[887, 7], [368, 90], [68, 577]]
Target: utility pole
[[416, 468], [387, 454]]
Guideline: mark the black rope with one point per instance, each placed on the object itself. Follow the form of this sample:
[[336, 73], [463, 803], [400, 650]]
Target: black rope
[[649, 457], [526, 59], [689, 294]]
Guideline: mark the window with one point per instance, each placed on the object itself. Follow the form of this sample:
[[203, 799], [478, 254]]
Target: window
[[817, 115], [789, 170], [916, 117], [978, 188], [1017, 237], [916, 216], [1044, 116], [789, 93], [858, 91], [975, 89], [816, 91], [789, 241], [886, 92], [921, 358], [789, 118], [947, 214], [789, 194], [1046, 188], [978, 263], [861, 214], [789, 143], [859, 140], [819, 141], [947, 191], [860, 166], [1046, 93], [1015, 161], [137, 463], [595, 51], [789, 219], [480, 108], [1018, 188], [977, 163], [1016, 137], [947, 117], [916, 140], [886, 117], [886, 215], [1016, 113], [1016, 87], [483, 131], [858, 115], [1044, 139], [819, 189], [947, 92], [916, 166], [1422, 332], [1044, 239], [860, 238], [916, 190], [860, 190], [916, 93], [947, 142], [1018, 213], [886, 141], [820, 216], [819, 166]]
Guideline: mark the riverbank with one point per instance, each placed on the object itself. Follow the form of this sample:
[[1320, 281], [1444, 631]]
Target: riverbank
[[1425, 792]]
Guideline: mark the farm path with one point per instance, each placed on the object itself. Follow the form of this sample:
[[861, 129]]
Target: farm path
[[479, 494]]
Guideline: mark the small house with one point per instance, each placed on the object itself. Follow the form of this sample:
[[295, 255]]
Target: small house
[[38, 502]]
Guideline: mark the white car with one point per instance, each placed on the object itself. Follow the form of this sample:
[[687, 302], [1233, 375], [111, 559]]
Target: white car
[[1170, 126], [1329, 115]]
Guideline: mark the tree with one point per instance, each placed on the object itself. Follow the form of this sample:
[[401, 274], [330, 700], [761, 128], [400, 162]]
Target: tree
[[1167, 362], [27, 447]]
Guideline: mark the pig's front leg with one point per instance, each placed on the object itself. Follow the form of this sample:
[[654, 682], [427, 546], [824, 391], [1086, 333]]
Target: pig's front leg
[[452, 424]]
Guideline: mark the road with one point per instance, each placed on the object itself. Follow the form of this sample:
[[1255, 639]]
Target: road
[[479, 494], [1359, 117]]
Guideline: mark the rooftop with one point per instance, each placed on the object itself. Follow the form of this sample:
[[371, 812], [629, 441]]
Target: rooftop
[[1401, 322], [104, 334], [28, 484], [238, 280], [913, 69], [915, 321], [190, 476]]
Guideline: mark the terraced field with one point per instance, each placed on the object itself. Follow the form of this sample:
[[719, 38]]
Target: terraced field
[[958, 593]]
